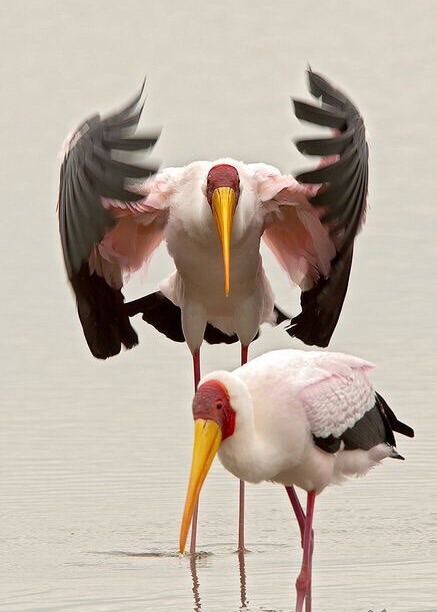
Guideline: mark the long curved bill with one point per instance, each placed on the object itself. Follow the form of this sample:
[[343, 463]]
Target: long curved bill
[[224, 202], [207, 439]]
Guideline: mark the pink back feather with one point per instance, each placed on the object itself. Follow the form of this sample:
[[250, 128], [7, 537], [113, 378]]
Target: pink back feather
[[335, 392]]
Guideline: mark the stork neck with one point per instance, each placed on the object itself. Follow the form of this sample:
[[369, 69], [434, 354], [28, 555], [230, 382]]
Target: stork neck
[[245, 453]]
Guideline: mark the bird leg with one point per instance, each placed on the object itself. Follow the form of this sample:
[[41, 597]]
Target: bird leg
[[303, 582], [244, 354], [241, 548], [298, 512], [196, 369], [300, 517]]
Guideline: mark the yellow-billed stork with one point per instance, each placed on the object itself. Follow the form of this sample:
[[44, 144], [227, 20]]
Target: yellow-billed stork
[[300, 418], [212, 215]]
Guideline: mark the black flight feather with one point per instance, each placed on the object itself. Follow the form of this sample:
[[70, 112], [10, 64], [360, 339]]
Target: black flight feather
[[376, 426], [88, 173], [342, 199]]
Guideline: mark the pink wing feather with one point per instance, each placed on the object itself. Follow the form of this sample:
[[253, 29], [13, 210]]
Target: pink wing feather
[[294, 232], [336, 392], [137, 234]]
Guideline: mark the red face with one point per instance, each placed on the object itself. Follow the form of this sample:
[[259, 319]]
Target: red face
[[222, 175], [211, 403]]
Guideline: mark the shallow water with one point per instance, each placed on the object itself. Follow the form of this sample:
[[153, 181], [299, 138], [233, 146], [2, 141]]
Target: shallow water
[[94, 456]]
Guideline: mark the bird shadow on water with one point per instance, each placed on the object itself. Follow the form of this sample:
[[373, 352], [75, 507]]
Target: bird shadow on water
[[154, 554]]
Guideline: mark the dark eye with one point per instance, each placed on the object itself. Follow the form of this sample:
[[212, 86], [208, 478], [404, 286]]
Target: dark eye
[[219, 405]]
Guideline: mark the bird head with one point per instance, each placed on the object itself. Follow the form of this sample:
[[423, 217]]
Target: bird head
[[222, 193], [214, 421]]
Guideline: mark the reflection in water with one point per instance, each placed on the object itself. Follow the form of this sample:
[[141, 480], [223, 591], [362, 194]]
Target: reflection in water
[[196, 584], [242, 568], [195, 578], [82, 456]]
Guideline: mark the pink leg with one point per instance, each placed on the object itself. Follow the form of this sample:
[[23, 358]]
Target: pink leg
[[241, 548], [196, 368], [300, 516], [303, 582], [244, 354], [298, 510], [308, 595]]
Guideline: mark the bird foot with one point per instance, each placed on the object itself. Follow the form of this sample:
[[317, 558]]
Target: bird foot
[[196, 555], [242, 550]]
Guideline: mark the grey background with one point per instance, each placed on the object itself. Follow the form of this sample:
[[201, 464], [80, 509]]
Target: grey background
[[94, 456]]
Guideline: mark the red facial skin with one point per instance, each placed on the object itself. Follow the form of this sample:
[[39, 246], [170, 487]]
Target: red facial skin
[[222, 175], [211, 402]]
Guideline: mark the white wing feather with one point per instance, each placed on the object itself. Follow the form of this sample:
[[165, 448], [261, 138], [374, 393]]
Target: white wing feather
[[335, 392]]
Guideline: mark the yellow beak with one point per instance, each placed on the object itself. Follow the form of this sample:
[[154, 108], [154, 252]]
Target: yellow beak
[[224, 202], [207, 439]]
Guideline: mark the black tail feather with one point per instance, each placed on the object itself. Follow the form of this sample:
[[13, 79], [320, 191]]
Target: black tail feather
[[390, 419], [101, 312], [159, 312], [165, 317]]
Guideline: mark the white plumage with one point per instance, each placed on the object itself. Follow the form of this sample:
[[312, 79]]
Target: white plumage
[[212, 216], [175, 208], [197, 284], [282, 400], [295, 418]]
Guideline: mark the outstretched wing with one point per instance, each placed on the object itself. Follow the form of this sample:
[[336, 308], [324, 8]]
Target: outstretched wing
[[110, 221], [336, 192]]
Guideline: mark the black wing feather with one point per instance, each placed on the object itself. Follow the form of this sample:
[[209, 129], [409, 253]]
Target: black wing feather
[[342, 199], [375, 427], [89, 172], [319, 314], [326, 146], [391, 420], [164, 316], [319, 115]]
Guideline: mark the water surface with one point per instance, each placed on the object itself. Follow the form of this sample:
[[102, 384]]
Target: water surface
[[94, 456]]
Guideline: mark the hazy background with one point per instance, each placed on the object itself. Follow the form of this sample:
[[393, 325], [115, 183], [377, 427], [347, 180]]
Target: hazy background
[[94, 456]]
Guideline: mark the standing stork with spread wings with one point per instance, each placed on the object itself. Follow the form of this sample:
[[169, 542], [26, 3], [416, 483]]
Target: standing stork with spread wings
[[113, 215]]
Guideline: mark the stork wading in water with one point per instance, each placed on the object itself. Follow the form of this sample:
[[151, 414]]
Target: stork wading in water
[[212, 215], [300, 418]]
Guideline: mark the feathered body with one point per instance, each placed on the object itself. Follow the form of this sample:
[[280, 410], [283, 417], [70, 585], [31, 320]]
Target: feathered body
[[112, 220], [295, 418], [290, 405], [197, 284]]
